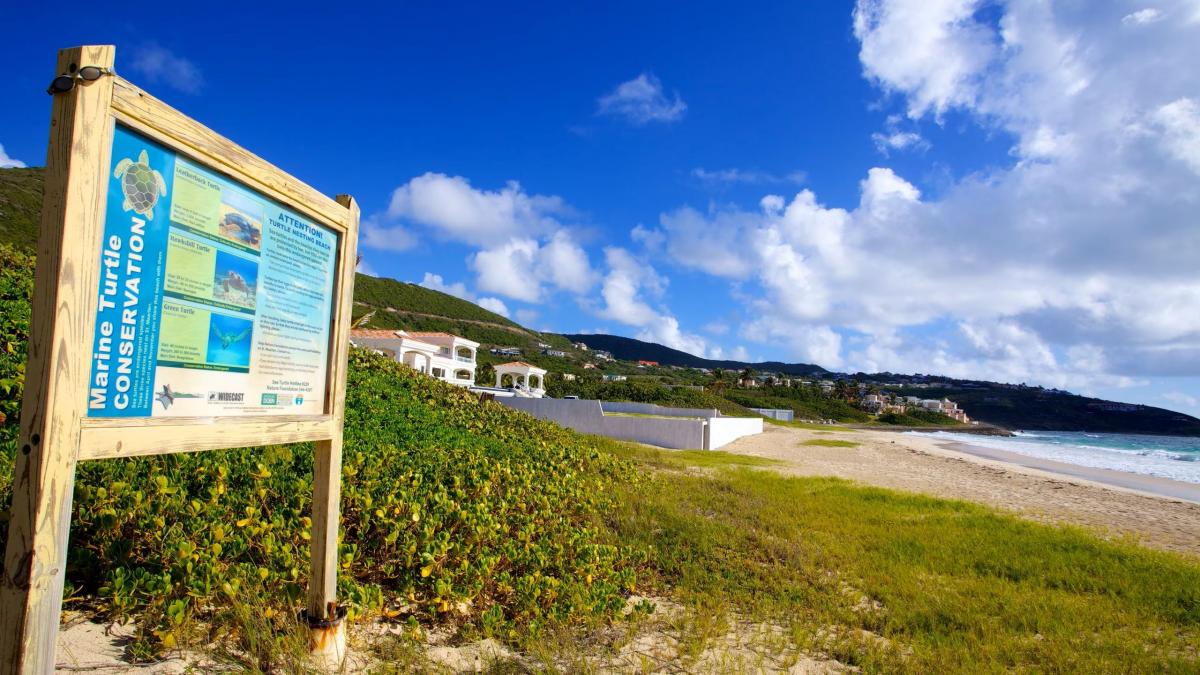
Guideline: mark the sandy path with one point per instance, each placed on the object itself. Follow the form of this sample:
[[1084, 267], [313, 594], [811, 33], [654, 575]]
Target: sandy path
[[920, 464]]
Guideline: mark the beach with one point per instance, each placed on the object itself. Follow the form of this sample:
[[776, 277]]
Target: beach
[[1156, 512]]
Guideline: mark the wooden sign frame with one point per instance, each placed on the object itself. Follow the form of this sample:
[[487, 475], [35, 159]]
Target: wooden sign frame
[[55, 431]]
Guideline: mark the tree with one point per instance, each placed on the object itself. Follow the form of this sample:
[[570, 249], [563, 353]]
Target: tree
[[486, 375]]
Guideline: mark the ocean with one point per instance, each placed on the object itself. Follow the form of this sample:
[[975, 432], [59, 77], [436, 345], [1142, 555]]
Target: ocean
[[1174, 457]]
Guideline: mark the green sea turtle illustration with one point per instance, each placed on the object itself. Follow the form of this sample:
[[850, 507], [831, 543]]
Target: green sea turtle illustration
[[141, 185], [229, 339]]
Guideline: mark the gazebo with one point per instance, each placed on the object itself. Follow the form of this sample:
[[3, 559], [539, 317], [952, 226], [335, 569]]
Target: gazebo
[[524, 371]]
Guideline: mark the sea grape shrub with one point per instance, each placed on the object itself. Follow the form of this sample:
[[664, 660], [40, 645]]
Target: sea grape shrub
[[16, 289], [452, 510]]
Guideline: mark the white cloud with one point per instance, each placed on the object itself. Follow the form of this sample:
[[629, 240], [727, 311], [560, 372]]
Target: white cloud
[[160, 65], [1180, 124], [746, 176], [893, 138], [494, 305], [523, 247], [1142, 17], [1074, 265], [436, 283], [7, 162], [930, 50], [641, 100], [454, 210], [898, 140], [522, 268], [459, 290], [627, 282], [509, 270]]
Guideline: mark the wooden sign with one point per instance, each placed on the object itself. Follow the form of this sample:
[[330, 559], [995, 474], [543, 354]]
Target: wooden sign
[[189, 296]]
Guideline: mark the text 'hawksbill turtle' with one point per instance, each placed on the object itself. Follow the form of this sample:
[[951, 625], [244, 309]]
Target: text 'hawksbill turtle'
[[141, 185]]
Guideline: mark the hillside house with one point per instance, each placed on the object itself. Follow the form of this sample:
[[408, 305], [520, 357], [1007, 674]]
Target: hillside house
[[525, 379], [603, 355], [874, 403], [554, 352], [614, 378], [506, 351], [647, 363], [580, 346], [447, 357]]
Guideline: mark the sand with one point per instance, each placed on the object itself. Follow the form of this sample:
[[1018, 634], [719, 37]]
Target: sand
[[1156, 512]]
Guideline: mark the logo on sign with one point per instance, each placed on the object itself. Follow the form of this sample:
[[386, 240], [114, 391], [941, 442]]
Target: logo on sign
[[140, 184], [270, 399], [226, 396]]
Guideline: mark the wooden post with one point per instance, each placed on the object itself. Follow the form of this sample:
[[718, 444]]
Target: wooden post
[[57, 372], [328, 641]]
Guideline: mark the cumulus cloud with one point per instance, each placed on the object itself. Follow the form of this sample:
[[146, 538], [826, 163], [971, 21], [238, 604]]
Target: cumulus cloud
[[459, 290], [896, 139], [7, 162], [624, 290], [523, 248], [437, 283], [1073, 265], [523, 268], [640, 101], [454, 210], [494, 305], [160, 65]]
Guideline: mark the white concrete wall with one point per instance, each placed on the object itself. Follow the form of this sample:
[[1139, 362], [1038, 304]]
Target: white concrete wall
[[588, 417], [652, 409], [780, 414], [725, 430]]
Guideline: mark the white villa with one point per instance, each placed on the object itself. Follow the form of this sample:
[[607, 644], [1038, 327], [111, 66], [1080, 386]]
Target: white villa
[[520, 374], [447, 357]]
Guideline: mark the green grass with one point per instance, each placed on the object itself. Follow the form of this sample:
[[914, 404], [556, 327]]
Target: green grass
[[677, 459], [830, 443], [959, 587]]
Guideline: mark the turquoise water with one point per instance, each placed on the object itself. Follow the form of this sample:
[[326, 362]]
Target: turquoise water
[[1174, 457]]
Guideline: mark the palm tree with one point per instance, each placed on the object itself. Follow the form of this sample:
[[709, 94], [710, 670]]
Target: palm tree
[[718, 381]]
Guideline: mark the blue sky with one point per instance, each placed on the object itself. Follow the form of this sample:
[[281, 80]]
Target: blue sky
[[1001, 190]]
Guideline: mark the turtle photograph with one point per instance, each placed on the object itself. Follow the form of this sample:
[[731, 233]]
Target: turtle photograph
[[229, 340], [241, 219], [141, 185], [235, 280]]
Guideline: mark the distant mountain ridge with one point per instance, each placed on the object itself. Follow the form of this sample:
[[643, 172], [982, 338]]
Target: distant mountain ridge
[[629, 349], [1005, 405]]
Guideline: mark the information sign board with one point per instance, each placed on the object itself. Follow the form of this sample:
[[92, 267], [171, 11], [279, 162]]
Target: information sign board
[[213, 299], [189, 296]]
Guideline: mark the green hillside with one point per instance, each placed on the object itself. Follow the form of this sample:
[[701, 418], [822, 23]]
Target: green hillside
[[20, 206]]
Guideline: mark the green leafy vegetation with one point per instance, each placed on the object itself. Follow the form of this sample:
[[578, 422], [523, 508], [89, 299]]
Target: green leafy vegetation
[[808, 402], [895, 582], [647, 392], [452, 510], [830, 443]]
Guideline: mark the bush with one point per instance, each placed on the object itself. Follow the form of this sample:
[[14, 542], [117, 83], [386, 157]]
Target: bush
[[646, 392], [452, 509]]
